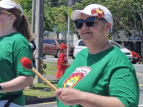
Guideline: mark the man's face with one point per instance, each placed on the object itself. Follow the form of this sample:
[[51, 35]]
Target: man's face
[[94, 33]]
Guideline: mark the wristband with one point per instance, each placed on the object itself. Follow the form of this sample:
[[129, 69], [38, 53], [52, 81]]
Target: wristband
[[0, 88]]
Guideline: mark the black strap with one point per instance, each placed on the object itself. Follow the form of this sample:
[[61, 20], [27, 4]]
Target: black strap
[[10, 98]]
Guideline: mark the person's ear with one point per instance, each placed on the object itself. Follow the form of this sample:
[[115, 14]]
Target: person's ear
[[108, 27], [12, 17]]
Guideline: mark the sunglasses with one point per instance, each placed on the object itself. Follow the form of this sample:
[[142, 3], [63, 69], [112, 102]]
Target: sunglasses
[[5, 12], [90, 21]]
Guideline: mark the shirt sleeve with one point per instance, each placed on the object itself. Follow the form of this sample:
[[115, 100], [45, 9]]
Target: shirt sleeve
[[18, 54], [124, 86]]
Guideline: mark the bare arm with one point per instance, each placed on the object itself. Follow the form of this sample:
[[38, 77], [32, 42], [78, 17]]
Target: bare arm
[[70, 96], [34, 53], [17, 84], [93, 100], [65, 64]]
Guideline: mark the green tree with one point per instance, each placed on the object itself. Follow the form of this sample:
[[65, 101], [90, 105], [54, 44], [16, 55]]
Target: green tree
[[63, 2], [59, 17], [51, 3], [56, 16], [48, 25], [128, 16], [27, 8]]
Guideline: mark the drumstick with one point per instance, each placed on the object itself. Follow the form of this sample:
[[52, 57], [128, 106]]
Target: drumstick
[[26, 63]]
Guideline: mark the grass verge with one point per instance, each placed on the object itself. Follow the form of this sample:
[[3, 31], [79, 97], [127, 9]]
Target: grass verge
[[50, 68], [141, 61], [41, 90]]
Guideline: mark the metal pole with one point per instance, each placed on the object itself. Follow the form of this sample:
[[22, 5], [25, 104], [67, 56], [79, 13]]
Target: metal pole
[[142, 16], [39, 29], [70, 6], [68, 39]]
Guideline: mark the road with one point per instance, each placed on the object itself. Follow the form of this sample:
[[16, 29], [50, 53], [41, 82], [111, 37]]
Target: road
[[139, 73], [51, 104], [51, 58]]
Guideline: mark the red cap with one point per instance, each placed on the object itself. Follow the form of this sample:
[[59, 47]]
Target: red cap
[[63, 46]]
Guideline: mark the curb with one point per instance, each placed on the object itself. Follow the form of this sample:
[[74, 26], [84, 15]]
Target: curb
[[29, 101]]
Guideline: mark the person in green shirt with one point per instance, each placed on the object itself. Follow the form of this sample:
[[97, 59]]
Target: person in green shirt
[[101, 75], [15, 36]]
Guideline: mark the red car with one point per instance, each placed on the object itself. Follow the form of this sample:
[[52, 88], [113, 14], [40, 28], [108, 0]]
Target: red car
[[52, 47], [136, 57]]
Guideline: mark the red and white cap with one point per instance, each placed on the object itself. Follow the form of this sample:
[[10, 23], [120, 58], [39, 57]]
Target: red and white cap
[[9, 4], [94, 10]]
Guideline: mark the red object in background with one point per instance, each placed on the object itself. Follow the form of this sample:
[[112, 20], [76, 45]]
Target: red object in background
[[136, 57], [63, 46]]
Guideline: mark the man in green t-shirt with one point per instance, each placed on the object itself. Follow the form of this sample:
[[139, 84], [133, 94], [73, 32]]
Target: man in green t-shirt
[[101, 75]]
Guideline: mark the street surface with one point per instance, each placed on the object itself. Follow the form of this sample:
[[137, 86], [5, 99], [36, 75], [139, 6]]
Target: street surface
[[51, 104], [139, 73]]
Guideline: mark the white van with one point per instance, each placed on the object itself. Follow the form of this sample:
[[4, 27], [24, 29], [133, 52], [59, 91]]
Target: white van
[[80, 45]]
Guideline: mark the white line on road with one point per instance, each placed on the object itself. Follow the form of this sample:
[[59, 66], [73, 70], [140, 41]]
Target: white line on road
[[141, 105], [138, 64]]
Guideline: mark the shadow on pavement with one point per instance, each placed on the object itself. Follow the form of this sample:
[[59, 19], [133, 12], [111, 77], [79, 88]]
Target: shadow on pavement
[[35, 100]]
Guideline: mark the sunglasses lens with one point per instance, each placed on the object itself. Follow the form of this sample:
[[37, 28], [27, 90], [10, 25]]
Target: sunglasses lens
[[90, 21], [79, 23]]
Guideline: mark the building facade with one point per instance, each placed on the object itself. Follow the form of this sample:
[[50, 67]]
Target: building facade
[[133, 43]]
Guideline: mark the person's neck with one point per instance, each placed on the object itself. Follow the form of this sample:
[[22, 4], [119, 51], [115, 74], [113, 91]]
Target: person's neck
[[94, 49], [6, 32]]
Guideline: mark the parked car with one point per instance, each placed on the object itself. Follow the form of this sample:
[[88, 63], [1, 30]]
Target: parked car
[[123, 49], [52, 47], [80, 45], [136, 57]]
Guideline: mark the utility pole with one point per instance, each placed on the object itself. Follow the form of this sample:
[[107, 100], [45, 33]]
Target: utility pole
[[33, 27], [33, 16], [39, 29]]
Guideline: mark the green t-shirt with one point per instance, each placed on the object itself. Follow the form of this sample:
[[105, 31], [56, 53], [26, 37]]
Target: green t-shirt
[[12, 48], [109, 73]]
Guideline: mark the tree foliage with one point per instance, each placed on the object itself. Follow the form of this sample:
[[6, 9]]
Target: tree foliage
[[27, 8], [127, 14]]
